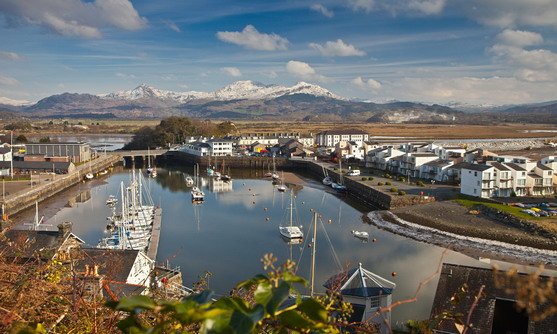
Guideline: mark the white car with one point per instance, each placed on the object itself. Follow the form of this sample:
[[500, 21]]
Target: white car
[[353, 172]]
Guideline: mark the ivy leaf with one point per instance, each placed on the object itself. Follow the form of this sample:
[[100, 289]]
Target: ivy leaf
[[313, 310], [279, 295], [263, 293], [257, 279], [294, 320], [136, 302], [291, 278], [201, 298]]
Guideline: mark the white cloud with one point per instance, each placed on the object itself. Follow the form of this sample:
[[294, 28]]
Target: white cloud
[[365, 5], [372, 84], [125, 76], [510, 13], [270, 74], [7, 55], [304, 71], [172, 26], [317, 7], [429, 7], [75, 17], [519, 38], [8, 101], [8, 81], [232, 71], [252, 39], [337, 48]]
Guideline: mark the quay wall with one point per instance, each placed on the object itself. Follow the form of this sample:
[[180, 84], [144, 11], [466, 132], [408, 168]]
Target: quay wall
[[24, 199], [365, 192], [263, 163]]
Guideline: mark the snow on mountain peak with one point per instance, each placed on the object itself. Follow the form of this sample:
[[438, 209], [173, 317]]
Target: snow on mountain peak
[[239, 90]]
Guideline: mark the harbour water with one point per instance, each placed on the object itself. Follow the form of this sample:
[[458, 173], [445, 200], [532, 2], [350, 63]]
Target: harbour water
[[238, 223]]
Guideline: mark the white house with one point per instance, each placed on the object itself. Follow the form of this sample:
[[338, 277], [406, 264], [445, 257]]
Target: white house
[[503, 185], [350, 149], [379, 157], [250, 140], [411, 163], [5, 154], [540, 180], [436, 170], [477, 180], [332, 137], [518, 179], [197, 148], [221, 147]]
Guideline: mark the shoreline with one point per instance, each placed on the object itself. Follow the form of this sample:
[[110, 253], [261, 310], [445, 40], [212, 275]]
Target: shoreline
[[472, 246]]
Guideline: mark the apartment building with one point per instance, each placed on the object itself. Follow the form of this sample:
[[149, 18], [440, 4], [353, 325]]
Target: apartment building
[[221, 147], [477, 180], [332, 137]]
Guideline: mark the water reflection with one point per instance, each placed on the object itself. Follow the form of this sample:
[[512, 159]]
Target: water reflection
[[238, 223]]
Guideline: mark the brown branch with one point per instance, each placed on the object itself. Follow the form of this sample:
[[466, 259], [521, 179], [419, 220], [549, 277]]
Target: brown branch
[[472, 308]]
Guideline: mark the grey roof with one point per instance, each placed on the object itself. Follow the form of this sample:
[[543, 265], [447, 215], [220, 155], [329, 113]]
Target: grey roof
[[200, 144], [28, 244], [515, 167], [423, 155], [360, 282], [4, 150], [46, 165], [477, 167], [343, 132], [114, 264], [438, 163], [499, 166], [120, 290], [221, 140], [543, 167], [453, 148]]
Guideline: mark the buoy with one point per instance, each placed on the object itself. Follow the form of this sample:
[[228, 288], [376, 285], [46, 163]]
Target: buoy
[[253, 194], [249, 189], [393, 273], [311, 210], [253, 202], [244, 184], [330, 221], [265, 209], [303, 202], [374, 240], [268, 218]]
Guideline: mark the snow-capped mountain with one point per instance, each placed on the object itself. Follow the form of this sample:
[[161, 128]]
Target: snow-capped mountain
[[240, 90]]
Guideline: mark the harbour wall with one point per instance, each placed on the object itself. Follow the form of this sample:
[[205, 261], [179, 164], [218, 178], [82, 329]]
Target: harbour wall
[[365, 192], [26, 198], [262, 163]]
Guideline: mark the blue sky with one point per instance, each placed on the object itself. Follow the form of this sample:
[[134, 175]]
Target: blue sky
[[435, 51]]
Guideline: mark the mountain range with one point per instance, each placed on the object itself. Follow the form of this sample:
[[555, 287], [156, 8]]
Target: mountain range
[[251, 100]]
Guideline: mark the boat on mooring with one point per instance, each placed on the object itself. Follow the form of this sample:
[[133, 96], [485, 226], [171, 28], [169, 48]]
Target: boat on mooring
[[291, 231]]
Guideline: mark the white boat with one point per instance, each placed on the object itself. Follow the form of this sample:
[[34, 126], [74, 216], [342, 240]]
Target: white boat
[[274, 174], [112, 200], [196, 193], [189, 181], [339, 186], [89, 176], [360, 234], [282, 187], [327, 181], [154, 172], [103, 172], [291, 231]]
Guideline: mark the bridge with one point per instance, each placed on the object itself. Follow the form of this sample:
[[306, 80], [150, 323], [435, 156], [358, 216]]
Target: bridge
[[138, 153]]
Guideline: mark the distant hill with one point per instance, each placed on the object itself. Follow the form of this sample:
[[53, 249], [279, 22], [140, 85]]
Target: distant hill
[[252, 100]]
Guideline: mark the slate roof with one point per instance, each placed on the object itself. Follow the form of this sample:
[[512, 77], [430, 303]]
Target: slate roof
[[515, 167], [477, 167], [117, 290], [499, 166], [451, 280], [543, 167], [438, 163], [423, 155], [4, 150], [28, 244], [114, 264]]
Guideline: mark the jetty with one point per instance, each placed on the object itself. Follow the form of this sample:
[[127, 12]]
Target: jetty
[[155, 235]]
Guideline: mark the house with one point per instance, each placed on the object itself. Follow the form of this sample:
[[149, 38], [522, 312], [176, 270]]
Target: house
[[197, 148], [518, 177], [450, 152], [495, 311], [477, 180], [379, 157], [350, 149], [291, 148], [368, 293], [436, 170], [248, 140], [30, 167], [478, 155], [540, 181], [411, 163], [77, 152], [221, 147], [257, 147], [307, 141], [24, 246], [503, 186], [6, 154], [332, 137]]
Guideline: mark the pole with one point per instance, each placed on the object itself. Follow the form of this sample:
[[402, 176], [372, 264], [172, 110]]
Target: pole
[[12, 154], [314, 243]]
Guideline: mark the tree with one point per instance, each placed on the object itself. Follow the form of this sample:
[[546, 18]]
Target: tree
[[225, 128], [21, 139], [44, 140]]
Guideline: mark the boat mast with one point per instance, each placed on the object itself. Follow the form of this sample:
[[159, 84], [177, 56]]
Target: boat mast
[[121, 233], [291, 207], [313, 244]]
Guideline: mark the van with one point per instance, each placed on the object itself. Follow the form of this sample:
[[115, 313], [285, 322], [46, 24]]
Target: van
[[353, 172]]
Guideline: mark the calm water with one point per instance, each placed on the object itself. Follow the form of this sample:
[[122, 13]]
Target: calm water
[[229, 233]]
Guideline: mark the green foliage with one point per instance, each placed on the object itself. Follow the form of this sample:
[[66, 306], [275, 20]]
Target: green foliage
[[393, 190], [371, 178], [364, 178], [420, 184], [19, 125], [263, 309], [388, 183], [21, 139], [402, 192], [402, 179], [379, 183], [44, 140]]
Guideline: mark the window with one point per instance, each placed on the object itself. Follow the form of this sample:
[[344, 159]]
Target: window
[[506, 318], [475, 173]]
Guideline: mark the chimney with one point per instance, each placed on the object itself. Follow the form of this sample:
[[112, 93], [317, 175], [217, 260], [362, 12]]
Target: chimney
[[86, 270], [96, 270], [64, 228]]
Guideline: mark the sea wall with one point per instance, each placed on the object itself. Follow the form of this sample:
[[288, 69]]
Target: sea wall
[[263, 163]]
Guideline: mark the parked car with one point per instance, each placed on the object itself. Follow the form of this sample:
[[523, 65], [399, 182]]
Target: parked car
[[353, 172], [520, 205]]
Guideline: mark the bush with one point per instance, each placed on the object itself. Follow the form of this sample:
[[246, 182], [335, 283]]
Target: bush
[[387, 175], [402, 192], [388, 183], [379, 183], [420, 184], [370, 178], [364, 178], [393, 190], [402, 179]]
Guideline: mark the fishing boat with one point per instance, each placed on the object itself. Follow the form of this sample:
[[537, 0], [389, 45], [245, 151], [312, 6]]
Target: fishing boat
[[154, 172], [282, 187], [360, 234], [149, 168], [291, 231], [89, 176], [339, 186]]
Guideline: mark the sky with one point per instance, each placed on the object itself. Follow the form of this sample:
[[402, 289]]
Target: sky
[[478, 52]]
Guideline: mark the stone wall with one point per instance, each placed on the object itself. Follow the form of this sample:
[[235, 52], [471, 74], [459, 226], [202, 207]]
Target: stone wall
[[263, 163]]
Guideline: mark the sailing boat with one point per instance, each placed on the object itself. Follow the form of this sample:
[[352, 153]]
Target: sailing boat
[[282, 188], [225, 176], [291, 232], [327, 180], [339, 186], [274, 175], [210, 171], [196, 193], [152, 171]]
